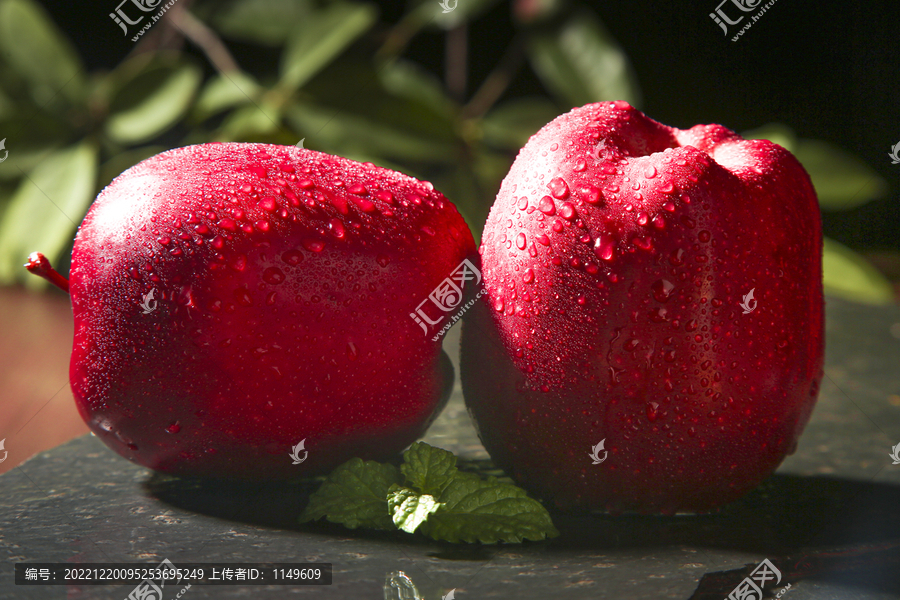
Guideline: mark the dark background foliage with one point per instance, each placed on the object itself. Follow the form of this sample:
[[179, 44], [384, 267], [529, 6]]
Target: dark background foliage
[[824, 71]]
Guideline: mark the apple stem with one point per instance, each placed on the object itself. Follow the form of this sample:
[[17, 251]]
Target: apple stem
[[39, 265]]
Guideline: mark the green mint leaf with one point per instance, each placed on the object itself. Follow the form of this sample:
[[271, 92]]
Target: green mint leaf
[[409, 509], [475, 510], [428, 469], [355, 495]]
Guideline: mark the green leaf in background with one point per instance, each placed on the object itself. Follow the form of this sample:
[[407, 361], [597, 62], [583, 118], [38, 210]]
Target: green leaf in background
[[344, 133], [265, 22], [428, 469], [116, 165], [152, 102], [510, 125], [250, 123], [28, 146], [475, 510], [581, 63], [36, 48], [46, 208], [405, 79], [409, 509], [779, 133], [456, 12], [842, 180], [225, 91], [355, 495], [320, 38], [848, 275]]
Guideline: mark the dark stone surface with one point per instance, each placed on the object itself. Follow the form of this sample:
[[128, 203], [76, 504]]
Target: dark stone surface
[[829, 519]]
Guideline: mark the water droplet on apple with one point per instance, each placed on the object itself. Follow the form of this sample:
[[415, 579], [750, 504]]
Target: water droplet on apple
[[559, 189], [337, 228], [173, 428], [520, 241], [268, 204], [382, 260], [662, 290], [273, 275], [239, 262], [242, 295], [314, 245], [604, 246], [292, 257], [546, 206]]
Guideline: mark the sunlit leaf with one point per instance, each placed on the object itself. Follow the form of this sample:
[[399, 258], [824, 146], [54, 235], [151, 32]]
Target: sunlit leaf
[[581, 63], [848, 275], [224, 91], [342, 132], [319, 38], [36, 48], [842, 180], [266, 22], [46, 209], [152, 102], [248, 123], [779, 133], [512, 123]]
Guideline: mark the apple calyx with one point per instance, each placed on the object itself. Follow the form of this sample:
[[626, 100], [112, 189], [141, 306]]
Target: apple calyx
[[39, 265]]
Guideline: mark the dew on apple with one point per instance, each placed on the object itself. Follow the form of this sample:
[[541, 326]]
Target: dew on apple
[[313, 245], [546, 206]]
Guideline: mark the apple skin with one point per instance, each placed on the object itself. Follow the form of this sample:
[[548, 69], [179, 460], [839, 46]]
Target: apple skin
[[615, 260], [282, 282]]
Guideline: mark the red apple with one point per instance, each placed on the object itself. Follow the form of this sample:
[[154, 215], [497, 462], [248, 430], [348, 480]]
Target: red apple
[[616, 260], [234, 300]]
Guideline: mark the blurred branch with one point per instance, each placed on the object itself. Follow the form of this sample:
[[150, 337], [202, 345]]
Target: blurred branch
[[205, 39], [400, 35], [456, 61], [497, 81]]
